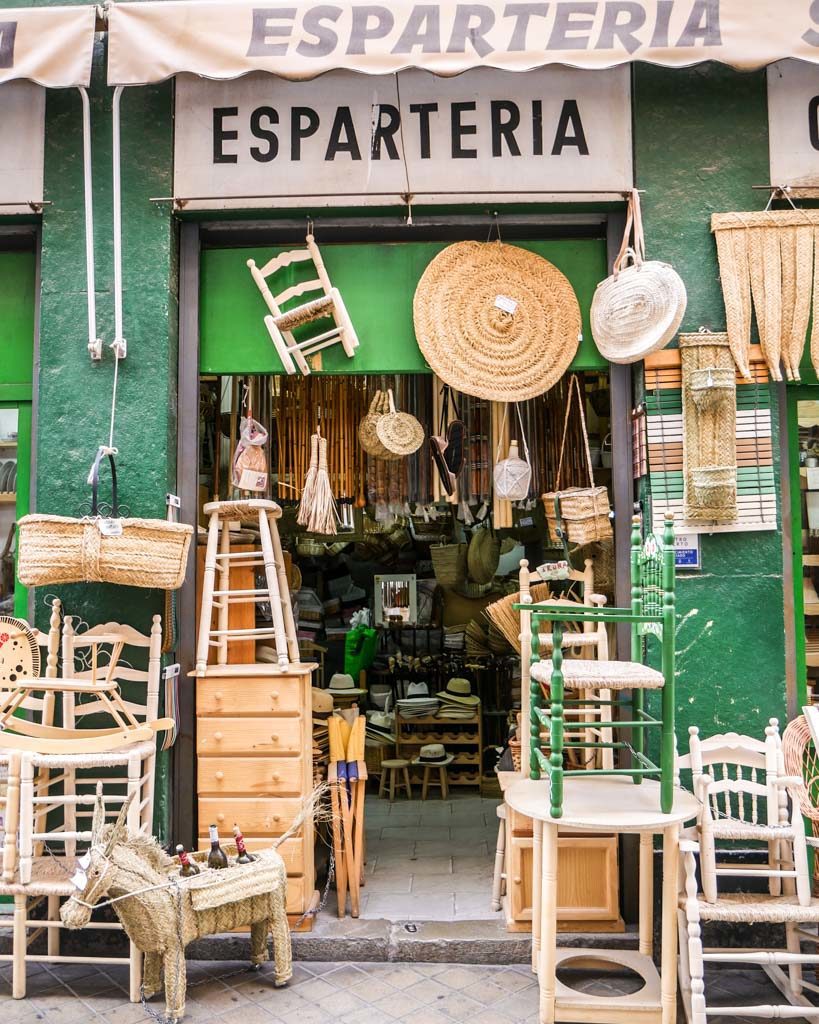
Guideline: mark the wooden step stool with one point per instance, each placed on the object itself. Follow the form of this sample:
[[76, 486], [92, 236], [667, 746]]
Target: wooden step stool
[[389, 775], [219, 557]]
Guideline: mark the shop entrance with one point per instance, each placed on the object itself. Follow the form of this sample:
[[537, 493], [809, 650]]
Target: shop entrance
[[398, 555], [406, 609]]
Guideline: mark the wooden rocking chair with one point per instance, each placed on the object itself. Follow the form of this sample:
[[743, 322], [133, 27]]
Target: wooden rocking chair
[[281, 322]]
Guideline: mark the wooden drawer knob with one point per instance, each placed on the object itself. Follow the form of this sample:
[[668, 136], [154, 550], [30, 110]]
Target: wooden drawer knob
[[275, 737], [277, 817], [217, 695], [220, 817], [217, 735], [276, 777], [274, 695], [518, 881], [220, 776]]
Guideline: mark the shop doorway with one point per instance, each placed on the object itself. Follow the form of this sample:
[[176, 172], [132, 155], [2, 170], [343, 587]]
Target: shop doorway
[[440, 679]]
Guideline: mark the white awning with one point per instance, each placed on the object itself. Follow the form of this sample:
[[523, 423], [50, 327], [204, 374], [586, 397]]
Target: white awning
[[51, 46], [152, 41]]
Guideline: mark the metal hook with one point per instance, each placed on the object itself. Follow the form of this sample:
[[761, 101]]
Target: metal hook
[[496, 225], [309, 225], [783, 192]]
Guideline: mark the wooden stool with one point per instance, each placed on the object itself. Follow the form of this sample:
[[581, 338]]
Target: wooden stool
[[441, 782], [389, 774]]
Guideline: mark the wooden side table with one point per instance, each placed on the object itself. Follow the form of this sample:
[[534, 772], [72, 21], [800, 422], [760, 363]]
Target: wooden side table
[[605, 805]]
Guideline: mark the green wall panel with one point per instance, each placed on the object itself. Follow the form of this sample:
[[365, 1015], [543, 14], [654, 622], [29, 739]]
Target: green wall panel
[[377, 282], [17, 284], [701, 142]]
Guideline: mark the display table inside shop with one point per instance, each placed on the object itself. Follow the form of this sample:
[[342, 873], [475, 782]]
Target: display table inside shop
[[613, 805], [254, 745]]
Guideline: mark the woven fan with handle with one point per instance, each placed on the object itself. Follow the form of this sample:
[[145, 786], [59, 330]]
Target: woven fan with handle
[[19, 652]]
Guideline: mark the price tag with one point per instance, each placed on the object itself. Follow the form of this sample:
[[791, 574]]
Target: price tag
[[505, 303], [110, 527]]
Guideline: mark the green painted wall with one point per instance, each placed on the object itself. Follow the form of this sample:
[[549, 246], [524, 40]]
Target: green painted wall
[[701, 142], [74, 393], [17, 305], [378, 283]]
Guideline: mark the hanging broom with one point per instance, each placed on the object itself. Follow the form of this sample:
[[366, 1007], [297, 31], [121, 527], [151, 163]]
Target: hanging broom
[[306, 504], [323, 515]]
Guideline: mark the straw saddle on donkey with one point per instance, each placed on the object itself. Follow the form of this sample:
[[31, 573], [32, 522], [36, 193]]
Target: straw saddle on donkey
[[162, 912]]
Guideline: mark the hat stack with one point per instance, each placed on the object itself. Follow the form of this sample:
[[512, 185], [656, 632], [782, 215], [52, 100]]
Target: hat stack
[[344, 691], [381, 726], [417, 703], [457, 700]]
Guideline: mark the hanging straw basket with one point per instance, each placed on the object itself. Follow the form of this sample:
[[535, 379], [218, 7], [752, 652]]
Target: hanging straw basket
[[638, 309], [483, 556], [710, 385], [714, 485], [449, 563], [149, 553], [399, 433], [496, 321]]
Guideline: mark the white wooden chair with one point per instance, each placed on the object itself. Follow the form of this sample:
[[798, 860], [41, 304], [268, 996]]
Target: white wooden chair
[[58, 815], [747, 798], [736, 778], [281, 322]]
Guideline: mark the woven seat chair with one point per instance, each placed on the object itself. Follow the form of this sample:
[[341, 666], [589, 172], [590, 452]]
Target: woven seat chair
[[739, 808], [281, 322], [652, 613]]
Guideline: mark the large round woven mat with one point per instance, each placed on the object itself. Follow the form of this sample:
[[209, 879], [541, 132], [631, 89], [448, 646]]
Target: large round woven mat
[[19, 652], [637, 312], [400, 433], [480, 342]]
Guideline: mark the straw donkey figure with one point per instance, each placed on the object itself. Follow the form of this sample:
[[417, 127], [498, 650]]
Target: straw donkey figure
[[159, 913]]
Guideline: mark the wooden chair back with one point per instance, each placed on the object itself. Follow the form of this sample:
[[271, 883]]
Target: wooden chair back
[[310, 254], [106, 652]]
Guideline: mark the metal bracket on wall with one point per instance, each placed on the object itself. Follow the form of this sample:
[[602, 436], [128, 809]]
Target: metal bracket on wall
[[94, 343], [119, 344]]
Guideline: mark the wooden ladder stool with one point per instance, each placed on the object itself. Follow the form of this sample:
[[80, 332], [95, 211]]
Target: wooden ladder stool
[[431, 782], [218, 594], [395, 772]]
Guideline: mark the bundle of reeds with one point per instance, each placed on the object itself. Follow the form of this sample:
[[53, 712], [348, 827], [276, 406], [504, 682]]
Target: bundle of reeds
[[502, 613]]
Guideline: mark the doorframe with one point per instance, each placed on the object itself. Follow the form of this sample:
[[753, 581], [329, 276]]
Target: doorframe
[[796, 686], [194, 235]]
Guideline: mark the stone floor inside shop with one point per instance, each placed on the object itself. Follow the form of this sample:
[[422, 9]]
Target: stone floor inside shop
[[429, 860]]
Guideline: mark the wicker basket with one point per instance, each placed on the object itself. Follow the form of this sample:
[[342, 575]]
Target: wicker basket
[[710, 385], [582, 513], [714, 485], [449, 563], [149, 553], [375, 754]]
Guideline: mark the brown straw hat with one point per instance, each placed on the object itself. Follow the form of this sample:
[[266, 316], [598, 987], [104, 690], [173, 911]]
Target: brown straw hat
[[399, 432], [496, 321], [483, 555], [367, 428]]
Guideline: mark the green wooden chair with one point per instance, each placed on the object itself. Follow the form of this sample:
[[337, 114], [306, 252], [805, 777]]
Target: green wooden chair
[[651, 614]]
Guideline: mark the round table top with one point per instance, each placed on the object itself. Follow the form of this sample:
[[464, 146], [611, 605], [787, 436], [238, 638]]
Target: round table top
[[602, 804]]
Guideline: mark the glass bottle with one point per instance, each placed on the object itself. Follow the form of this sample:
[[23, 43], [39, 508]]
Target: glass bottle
[[187, 866], [217, 858]]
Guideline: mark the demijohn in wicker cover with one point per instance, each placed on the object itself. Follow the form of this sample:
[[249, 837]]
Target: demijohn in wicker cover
[[496, 321]]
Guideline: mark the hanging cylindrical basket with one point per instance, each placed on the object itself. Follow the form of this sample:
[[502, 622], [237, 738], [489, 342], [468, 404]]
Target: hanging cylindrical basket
[[449, 563], [710, 385], [714, 485]]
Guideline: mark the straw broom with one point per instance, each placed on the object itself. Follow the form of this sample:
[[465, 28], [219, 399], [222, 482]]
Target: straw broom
[[306, 505], [323, 514], [507, 620]]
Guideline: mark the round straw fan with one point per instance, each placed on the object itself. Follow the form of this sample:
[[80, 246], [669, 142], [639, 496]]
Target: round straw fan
[[19, 652], [496, 321]]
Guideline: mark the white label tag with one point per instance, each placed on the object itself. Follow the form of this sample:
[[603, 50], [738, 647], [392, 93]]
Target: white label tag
[[505, 303], [553, 570], [110, 527], [252, 481]]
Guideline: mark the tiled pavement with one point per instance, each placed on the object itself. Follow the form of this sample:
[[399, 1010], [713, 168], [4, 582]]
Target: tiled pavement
[[430, 860], [325, 993]]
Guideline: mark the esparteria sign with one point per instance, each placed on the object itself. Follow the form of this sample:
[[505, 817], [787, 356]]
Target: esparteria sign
[[793, 123], [260, 141], [22, 129]]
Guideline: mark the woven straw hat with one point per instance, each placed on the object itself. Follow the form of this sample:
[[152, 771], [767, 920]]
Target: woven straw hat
[[400, 433], [496, 321], [482, 556], [637, 311]]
